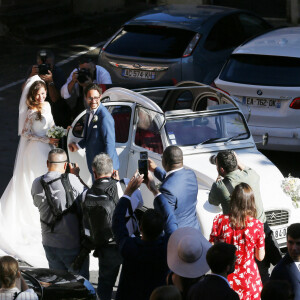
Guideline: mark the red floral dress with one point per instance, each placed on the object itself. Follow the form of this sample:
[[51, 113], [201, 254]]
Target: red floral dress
[[246, 279]]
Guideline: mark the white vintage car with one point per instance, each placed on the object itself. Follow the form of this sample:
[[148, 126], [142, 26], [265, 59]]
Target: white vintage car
[[201, 121]]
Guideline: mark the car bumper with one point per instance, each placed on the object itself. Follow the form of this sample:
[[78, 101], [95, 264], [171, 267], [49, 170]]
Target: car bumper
[[280, 139]]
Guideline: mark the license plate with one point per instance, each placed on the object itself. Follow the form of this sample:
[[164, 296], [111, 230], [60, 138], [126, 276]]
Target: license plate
[[280, 233], [138, 74], [261, 102]]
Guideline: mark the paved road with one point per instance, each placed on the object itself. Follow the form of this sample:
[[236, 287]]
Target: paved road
[[16, 57]]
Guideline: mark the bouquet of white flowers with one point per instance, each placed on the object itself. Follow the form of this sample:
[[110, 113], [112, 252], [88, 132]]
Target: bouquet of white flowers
[[56, 132], [291, 186]]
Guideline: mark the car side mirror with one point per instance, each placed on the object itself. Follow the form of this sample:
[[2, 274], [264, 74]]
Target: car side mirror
[[265, 139]]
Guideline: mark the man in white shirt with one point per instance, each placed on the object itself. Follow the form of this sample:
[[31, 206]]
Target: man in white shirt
[[86, 73]]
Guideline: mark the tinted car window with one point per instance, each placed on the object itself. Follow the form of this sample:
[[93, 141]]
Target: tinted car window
[[79, 126], [122, 117], [224, 35], [152, 41], [252, 25], [147, 132], [262, 70]]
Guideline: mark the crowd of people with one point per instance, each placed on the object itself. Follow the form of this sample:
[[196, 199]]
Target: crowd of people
[[162, 251]]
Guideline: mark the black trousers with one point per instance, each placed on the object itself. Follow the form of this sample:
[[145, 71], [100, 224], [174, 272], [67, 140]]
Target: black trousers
[[273, 254]]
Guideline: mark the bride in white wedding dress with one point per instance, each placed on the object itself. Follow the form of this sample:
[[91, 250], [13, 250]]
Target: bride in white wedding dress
[[20, 229]]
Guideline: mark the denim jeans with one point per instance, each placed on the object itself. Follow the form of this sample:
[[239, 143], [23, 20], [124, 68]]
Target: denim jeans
[[109, 265], [61, 259]]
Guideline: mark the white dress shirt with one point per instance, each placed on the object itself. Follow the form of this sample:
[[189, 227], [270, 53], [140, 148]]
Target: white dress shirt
[[102, 77]]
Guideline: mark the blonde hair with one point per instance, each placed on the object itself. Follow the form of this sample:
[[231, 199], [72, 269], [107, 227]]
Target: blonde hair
[[9, 269], [30, 99]]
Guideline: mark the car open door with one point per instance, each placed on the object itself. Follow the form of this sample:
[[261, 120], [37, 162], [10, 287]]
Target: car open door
[[147, 135], [122, 113]]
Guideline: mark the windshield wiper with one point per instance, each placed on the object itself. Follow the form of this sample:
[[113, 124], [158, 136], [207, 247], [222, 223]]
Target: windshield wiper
[[221, 139], [209, 141], [234, 137]]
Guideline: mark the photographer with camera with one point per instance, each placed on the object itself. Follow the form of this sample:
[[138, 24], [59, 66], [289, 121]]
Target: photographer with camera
[[232, 172], [54, 194], [54, 78], [97, 206], [86, 73]]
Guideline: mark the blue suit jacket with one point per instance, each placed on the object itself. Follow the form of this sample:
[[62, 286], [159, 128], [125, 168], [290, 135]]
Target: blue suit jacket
[[99, 137], [180, 188], [144, 264], [212, 287], [287, 270]]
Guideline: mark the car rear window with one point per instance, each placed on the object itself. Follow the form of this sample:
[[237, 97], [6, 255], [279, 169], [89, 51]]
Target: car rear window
[[262, 70], [150, 41]]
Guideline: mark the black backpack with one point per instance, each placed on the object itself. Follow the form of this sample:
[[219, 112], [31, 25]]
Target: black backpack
[[98, 208], [56, 212]]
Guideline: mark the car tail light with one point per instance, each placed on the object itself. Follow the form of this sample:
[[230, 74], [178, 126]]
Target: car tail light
[[214, 86], [295, 103], [192, 45]]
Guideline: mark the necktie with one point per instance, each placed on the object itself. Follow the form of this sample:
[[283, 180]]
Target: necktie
[[91, 117]]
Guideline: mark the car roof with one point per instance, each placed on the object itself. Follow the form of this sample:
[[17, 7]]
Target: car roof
[[118, 94], [277, 42], [187, 16]]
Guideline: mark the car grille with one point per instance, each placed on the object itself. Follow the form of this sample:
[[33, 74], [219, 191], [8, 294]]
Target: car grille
[[277, 217]]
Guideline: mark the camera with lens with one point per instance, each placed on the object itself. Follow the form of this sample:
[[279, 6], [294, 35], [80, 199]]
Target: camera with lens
[[83, 75], [43, 67], [212, 159]]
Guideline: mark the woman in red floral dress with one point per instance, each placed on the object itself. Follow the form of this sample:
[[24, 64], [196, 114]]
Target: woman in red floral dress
[[241, 229]]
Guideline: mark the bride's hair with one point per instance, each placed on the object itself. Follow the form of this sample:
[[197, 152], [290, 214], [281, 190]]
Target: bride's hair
[[30, 100]]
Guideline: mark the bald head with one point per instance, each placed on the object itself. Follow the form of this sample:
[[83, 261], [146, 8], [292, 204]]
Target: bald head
[[57, 159], [172, 158]]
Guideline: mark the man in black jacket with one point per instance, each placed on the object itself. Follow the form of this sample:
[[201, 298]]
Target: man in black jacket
[[97, 205], [221, 259]]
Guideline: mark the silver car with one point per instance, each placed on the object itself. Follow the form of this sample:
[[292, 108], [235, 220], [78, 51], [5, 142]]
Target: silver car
[[168, 44]]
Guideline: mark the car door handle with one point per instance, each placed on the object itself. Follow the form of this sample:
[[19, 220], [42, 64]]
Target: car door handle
[[131, 151]]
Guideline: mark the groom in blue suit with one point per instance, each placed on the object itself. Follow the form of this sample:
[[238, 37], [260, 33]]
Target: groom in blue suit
[[99, 129], [179, 186], [288, 267]]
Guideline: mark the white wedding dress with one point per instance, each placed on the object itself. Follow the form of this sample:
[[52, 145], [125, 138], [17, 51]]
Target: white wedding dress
[[20, 228]]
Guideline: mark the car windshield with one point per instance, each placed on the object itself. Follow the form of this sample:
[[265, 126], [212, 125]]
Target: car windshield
[[262, 70], [153, 41], [200, 129]]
